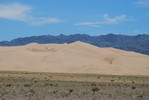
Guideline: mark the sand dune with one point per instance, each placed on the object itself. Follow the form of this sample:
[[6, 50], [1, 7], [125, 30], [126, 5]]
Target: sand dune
[[77, 57]]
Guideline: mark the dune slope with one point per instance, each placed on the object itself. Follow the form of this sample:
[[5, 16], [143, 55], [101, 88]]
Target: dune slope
[[77, 57]]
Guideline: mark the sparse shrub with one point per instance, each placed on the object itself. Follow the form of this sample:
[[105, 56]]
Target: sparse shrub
[[65, 95], [55, 92], [27, 85], [133, 87], [93, 84], [126, 84], [46, 84], [95, 89], [50, 76], [8, 85], [133, 82], [71, 90], [35, 81], [51, 84], [32, 91], [112, 80]]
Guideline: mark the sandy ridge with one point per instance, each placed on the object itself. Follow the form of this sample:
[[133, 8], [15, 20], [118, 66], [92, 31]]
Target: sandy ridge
[[77, 57]]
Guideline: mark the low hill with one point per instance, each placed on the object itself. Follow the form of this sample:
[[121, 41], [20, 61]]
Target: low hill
[[77, 57]]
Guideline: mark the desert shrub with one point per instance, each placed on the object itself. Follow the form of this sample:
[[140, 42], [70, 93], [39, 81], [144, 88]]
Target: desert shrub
[[27, 85], [35, 81], [32, 91], [8, 85], [133, 87], [55, 92], [51, 84], [50, 76], [95, 89], [46, 84], [112, 80], [93, 84], [70, 90]]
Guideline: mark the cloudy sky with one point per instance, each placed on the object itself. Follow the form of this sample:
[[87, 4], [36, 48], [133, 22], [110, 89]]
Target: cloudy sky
[[21, 18]]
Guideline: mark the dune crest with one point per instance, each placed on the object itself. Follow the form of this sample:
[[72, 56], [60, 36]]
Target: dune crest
[[77, 57]]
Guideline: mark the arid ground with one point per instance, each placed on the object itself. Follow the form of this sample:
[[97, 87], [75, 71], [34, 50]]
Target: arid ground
[[62, 86]]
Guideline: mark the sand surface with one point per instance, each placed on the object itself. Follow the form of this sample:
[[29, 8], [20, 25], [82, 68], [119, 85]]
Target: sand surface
[[77, 57]]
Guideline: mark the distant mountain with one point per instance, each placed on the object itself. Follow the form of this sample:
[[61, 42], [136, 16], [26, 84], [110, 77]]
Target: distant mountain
[[139, 43]]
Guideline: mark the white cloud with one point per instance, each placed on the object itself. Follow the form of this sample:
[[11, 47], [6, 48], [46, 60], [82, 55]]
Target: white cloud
[[14, 11], [19, 12], [106, 20], [39, 21], [87, 23], [143, 3], [114, 20]]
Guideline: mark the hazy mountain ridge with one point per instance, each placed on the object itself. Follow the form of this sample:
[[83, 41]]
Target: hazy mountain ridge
[[139, 43]]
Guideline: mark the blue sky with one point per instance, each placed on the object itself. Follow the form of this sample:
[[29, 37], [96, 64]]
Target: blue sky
[[21, 18]]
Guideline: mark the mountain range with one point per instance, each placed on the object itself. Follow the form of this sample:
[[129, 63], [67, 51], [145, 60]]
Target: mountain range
[[138, 43]]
